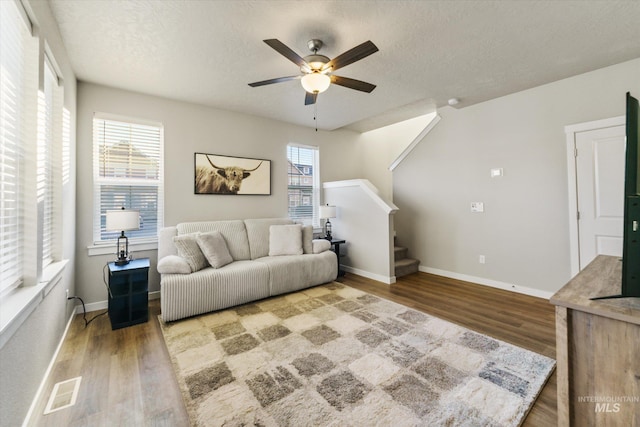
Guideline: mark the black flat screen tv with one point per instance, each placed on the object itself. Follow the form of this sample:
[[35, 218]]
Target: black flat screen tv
[[631, 232]]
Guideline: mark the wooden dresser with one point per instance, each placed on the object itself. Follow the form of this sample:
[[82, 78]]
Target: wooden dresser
[[597, 349]]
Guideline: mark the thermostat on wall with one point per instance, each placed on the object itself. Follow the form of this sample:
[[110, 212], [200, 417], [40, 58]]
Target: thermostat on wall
[[477, 207]]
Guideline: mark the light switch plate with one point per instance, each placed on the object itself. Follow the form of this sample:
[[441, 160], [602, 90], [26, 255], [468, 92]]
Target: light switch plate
[[477, 207], [495, 172]]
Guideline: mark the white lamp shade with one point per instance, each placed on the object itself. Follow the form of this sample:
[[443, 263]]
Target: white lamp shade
[[315, 82], [327, 211], [123, 220]]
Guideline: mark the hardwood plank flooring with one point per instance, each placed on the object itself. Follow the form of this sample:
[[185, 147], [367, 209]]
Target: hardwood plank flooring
[[127, 377]]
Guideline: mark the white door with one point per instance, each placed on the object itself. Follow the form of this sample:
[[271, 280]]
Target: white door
[[600, 192]]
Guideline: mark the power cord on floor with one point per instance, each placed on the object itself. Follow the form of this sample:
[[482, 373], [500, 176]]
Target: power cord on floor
[[104, 279], [84, 309], [84, 312]]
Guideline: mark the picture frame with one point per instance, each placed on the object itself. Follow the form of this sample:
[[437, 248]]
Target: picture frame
[[229, 175]]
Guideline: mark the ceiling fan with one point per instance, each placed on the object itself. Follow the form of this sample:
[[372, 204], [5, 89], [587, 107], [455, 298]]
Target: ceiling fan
[[317, 69]]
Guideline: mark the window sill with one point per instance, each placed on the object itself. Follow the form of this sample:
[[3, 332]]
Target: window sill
[[19, 303], [110, 247]]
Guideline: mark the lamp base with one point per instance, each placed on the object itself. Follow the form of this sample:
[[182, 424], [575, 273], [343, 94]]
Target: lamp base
[[121, 261], [327, 229], [123, 250]]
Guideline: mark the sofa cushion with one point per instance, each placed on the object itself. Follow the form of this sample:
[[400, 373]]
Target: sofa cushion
[[234, 232], [307, 239], [184, 295], [165, 242], [285, 240], [214, 248], [188, 248], [293, 272], [258, 234], [173, 264]]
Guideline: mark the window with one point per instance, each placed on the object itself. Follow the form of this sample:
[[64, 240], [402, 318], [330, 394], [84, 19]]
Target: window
[[18, 97], [303, 184], [127, 170]]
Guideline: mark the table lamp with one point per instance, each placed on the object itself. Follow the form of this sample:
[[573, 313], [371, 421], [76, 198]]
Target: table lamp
[[123, 220], [327, 212]]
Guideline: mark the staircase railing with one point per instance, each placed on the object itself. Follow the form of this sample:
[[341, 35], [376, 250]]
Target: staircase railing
[[365, 220]]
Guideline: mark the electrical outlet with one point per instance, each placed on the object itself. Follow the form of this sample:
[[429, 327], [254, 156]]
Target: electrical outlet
[[481, 259], [496, 172], [67, 291]]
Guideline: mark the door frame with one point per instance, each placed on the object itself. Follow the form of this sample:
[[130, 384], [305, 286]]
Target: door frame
[[571, 131]]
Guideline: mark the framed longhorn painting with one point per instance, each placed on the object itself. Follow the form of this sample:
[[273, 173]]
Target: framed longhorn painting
[[216, 174]]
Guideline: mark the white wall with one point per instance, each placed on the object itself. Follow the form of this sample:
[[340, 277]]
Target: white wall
[[190, 128], [25, 357], [524, 232], [365, 221], [379, 148]]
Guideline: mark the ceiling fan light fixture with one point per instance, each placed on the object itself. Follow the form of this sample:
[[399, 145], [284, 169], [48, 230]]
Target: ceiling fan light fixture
[[313, 63], [317, 70], [315, 82]]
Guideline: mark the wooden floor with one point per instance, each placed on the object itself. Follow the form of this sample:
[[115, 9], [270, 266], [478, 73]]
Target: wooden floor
[[127, 378]]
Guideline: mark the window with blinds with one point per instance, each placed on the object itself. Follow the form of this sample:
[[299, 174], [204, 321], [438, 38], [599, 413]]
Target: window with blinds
[[303, 184], [128, 162], [18, 88]]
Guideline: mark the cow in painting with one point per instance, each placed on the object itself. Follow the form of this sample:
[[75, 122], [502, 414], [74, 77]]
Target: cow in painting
[[220, 180]]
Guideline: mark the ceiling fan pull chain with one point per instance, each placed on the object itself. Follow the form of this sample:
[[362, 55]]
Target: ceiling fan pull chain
[[315, 115]]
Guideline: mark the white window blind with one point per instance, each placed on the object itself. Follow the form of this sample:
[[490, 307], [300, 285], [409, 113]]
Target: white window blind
[[303, 184], [18, 87], [66, 146], [49, 190], [128, 163]]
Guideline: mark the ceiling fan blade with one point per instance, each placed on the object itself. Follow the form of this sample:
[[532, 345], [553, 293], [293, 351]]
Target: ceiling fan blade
[[285, 51], [349, 57], [353, 83], [272, 81], [310, 98]]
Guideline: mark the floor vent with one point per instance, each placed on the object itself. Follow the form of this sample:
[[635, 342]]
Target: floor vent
[[64, 394]]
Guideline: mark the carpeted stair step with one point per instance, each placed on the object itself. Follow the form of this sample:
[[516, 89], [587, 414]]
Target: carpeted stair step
[[399, 252], [406, 266]]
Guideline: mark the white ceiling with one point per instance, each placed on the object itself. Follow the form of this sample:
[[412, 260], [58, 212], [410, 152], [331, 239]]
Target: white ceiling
[[207, 52]]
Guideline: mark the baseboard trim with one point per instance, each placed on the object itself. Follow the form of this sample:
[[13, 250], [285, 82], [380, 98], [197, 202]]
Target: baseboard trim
[[52, 362], [389, 280], [103, 305], [488, 282]]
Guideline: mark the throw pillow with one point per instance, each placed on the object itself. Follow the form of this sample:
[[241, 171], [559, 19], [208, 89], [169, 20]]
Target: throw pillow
[[173, 264], [214, 248], [285, 240], [307, 237], [188, 249]]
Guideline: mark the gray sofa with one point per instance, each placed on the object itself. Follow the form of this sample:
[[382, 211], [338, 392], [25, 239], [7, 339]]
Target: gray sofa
[[252, 273]]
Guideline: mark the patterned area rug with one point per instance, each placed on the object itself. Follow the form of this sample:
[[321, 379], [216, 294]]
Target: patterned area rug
[[336, 356]]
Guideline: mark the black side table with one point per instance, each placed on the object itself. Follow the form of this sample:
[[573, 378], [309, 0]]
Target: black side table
[[129, 293], [335, 243]]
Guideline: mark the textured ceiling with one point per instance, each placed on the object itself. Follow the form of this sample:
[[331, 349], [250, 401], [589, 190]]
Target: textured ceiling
[[207, 52]]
